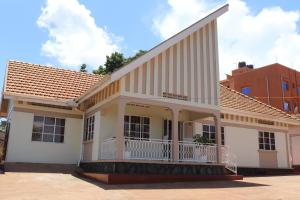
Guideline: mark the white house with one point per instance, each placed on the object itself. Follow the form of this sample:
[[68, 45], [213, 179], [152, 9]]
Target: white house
[[145, 114]]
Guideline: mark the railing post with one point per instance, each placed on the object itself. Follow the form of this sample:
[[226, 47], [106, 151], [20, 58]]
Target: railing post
[[217, 121], [120, 130], [175, 134]]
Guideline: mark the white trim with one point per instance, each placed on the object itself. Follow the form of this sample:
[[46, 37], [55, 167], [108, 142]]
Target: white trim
[[163, 74], [140, 79], [37, 100], [131, 81], [257, 115], [192, 58], [200, 66], [169, 42], [185, 66], [171, 70], [177, 68], [205, 86], [148, 81], [155, 78], [211, 65]]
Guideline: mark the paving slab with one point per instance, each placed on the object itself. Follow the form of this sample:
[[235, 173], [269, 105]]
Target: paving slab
[[58, 186]]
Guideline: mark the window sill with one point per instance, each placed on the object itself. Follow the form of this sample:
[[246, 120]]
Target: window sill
[[87, 142], [267, 151]]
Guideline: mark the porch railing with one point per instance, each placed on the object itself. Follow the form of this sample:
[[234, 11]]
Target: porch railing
[[147, 149], [229, 159], [194, 152], [108, 149]]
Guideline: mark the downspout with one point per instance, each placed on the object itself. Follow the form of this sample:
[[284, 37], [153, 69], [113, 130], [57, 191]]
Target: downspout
[[282, 91], [81, 145], [268, 92]]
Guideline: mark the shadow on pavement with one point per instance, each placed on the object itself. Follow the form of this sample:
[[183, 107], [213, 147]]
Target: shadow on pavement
[[177, 185]]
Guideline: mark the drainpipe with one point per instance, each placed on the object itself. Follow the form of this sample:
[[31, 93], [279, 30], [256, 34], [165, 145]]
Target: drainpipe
[[81, 145], [268, 92], [282, 92]]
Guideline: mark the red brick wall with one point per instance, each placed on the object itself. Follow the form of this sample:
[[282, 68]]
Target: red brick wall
[[256, 79]]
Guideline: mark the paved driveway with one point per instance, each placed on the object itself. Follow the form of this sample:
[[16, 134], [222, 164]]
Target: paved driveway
[[65, 186]]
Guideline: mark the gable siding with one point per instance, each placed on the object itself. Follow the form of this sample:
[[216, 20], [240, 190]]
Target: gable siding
[[188, 68]]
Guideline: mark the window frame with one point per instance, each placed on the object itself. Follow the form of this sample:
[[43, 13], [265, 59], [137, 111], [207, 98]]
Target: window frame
[[89, 128], [285, 86], [141, 126], [248, 89], [44, 124], [265, 141], [209, 133], [285, 103]]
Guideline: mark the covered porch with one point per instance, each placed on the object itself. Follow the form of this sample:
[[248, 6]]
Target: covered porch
[[133, 129]]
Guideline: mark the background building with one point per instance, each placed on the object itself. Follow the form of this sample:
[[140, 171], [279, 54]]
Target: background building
[[275, 84]]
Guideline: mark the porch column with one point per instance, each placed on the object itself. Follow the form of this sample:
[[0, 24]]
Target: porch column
[[217, 120], [175, 134], [120, 130], [96, 139]]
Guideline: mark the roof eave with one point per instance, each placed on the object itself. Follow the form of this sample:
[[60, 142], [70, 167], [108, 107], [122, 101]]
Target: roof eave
[[42, 100], [259, 115]]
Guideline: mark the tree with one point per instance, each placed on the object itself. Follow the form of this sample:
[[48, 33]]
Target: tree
[[138, 54], [83, 68], [115, 61]]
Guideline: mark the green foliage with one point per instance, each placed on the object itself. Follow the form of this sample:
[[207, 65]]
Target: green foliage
[[200, 139], [115, 61], [138, 54], [83, 68]]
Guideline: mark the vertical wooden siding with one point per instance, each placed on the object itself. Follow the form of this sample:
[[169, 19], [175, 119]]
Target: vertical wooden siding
[[188, 68]]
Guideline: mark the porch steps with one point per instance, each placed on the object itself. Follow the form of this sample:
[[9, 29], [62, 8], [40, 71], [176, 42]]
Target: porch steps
[[150, 178], [125, 172], [266, 171]]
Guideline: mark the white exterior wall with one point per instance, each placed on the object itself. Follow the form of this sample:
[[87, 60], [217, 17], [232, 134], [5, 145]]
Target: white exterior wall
[[96, 137], [295, 142], [22, 149], [108, 122], [281, 148], [243, 143]]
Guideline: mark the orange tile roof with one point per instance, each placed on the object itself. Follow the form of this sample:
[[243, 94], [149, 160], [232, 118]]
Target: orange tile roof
[[32, 80], [238, 101]]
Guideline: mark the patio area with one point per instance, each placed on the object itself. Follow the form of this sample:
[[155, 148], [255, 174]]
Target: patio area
[[49, 186]]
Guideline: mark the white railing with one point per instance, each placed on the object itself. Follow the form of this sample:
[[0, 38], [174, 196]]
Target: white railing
[[229, 159], [194, 152], [108, 149], [147, 149]]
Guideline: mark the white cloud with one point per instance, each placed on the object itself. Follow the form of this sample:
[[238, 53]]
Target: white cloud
[[74, 37], [263, 38]]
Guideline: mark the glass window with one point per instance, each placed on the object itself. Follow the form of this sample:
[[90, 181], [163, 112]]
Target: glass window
[[286, 106], [298, 89], [89, 128], [246, 90], [285, 85], [209, 131], [48, 129], [266, 141], [137, 127]]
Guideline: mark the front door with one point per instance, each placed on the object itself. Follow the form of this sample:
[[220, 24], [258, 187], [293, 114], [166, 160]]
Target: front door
[[167, 132]]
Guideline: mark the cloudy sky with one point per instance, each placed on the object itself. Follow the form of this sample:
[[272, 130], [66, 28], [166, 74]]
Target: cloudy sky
[[67, 33]]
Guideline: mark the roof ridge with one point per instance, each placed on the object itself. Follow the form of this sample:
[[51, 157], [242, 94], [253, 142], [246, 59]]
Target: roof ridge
[[55, 67]]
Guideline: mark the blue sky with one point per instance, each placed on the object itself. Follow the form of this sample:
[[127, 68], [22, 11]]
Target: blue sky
[[132, 25]]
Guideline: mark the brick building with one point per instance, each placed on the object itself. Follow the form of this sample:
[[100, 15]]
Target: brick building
[[274, 84]]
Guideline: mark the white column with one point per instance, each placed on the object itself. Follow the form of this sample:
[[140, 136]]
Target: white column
[[96, 137], [175, 134], [217, 120], [120, 130]]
